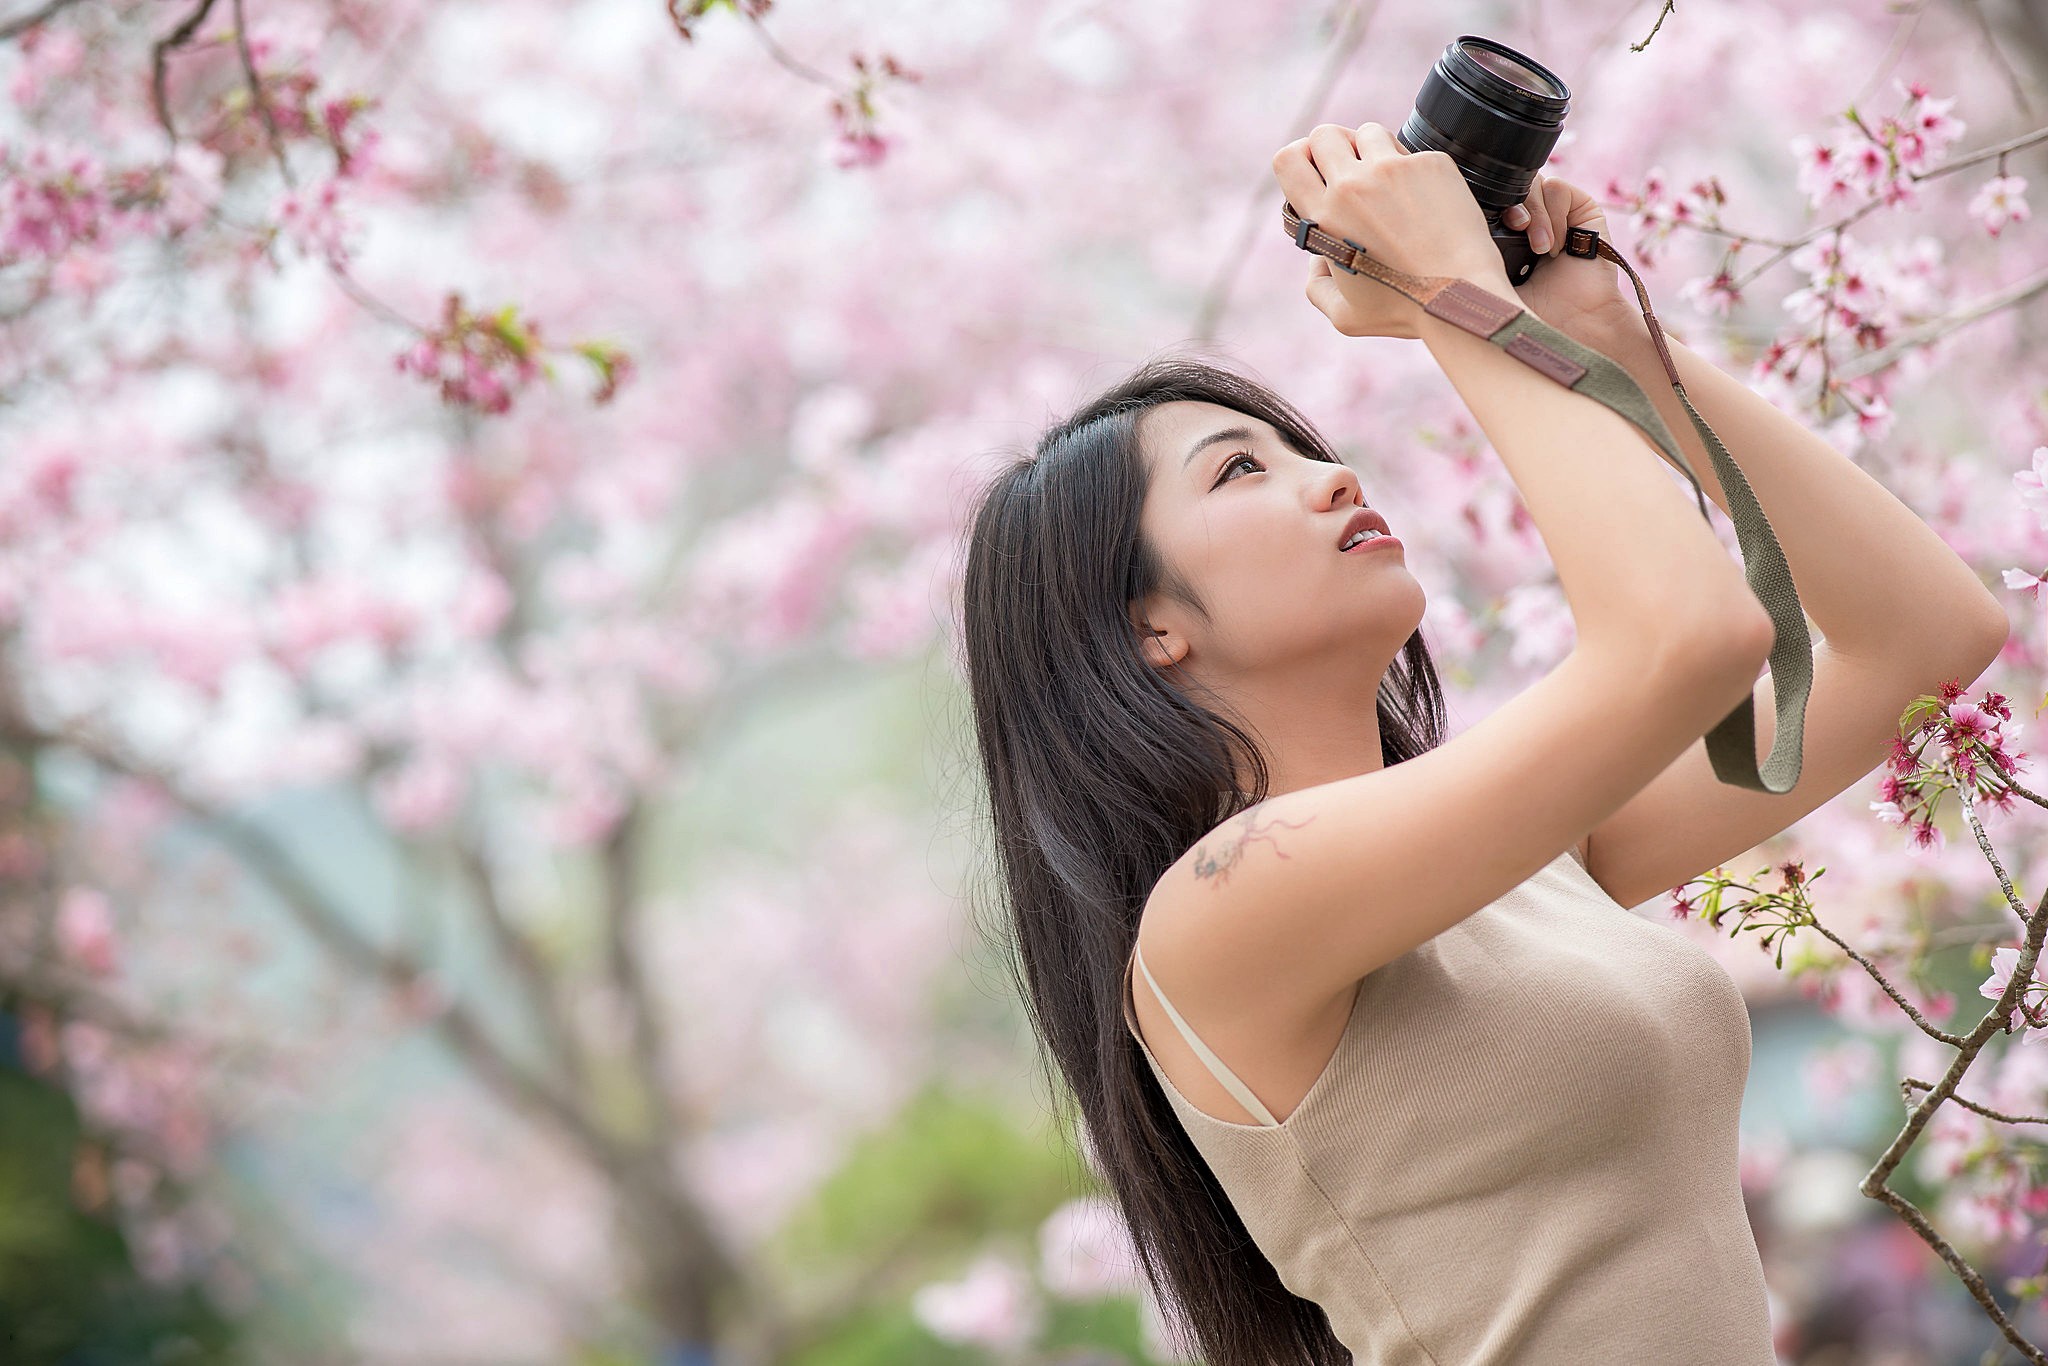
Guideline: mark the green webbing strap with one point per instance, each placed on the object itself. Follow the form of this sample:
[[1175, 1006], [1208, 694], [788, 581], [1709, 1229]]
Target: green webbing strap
[[1731, 744]]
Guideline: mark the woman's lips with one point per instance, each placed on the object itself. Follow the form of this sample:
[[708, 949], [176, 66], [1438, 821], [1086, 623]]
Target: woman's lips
[[1369, 543]]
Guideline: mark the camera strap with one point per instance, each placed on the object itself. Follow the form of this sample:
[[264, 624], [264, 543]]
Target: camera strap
[[1731, 744]]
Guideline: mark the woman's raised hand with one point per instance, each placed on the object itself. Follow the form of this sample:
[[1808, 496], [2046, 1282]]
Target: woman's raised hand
[[1584, 298], [1412, 211]]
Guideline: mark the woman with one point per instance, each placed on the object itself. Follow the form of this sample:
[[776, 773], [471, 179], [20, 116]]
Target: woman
[[1374, 1066]]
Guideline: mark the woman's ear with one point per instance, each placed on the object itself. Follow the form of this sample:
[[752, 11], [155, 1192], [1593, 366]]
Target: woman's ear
[[1162, 647]]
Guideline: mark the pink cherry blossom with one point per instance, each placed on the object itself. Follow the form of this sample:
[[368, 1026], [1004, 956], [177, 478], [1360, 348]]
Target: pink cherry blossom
[[2003, 963], [1931, 117], [49, 55], [990, 1305], [85, 930], [2033, 485], [2026, 581], [1714, 294], [1825, 171], [2031, 1011], [1999, 201]]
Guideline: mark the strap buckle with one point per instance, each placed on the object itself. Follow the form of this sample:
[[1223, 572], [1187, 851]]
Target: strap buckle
[[1581, 242], [1301, 234]]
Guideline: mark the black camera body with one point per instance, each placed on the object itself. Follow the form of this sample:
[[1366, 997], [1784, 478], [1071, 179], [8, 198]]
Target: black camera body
[[1497, 114]]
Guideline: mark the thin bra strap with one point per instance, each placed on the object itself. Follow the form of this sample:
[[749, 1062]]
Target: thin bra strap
[[1239, 1092]]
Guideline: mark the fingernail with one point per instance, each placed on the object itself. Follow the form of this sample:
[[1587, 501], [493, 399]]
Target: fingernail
[[1517, 216]]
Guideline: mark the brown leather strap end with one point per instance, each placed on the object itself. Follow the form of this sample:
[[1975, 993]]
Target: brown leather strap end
[[1607, 252]]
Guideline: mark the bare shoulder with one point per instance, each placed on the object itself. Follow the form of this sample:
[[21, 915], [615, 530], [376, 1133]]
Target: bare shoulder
[[1271, 1037]]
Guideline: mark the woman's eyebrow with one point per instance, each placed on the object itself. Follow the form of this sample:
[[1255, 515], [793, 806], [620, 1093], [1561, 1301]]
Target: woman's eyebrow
[[1217, 438]]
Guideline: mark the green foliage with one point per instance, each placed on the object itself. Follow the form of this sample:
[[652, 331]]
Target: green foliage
[[887, 1337], [1106, 1325], [948, 1178], [949, 1173], [69, 1293]]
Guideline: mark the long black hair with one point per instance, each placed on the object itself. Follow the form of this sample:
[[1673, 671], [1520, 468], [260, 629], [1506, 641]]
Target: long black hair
[[1100, 771]]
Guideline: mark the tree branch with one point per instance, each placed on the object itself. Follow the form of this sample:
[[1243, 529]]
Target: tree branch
[[1259, 212], [622, 906], [310, 908], [524, 959], [15, 27], [256, 94], [1927, 332], [1873, 1184]]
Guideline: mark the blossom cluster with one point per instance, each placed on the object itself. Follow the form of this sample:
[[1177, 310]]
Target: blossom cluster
[[66, 210], [1969, 743], [1655, 211], [854, 112], [1866, 295], [478, 361], [1084, 1253], [2032, 484], [2032, 1006], [1856, 163]]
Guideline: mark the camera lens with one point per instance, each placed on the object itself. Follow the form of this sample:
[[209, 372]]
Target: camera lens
[[1513, 69], [1494, 112]]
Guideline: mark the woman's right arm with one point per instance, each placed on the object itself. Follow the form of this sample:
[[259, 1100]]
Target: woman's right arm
[[1640, 567]]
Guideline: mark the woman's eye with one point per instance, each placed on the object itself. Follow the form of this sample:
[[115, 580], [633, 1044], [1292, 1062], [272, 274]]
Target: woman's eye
[[1234, 462]]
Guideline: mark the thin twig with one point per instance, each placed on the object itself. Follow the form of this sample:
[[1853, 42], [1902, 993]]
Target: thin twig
[[1996, 51], [2012, 897], [1983, 154], [370, 303], [1927, 1026], [1971, 1280], [1900, 36], [158, 57], [775, 50], [1661, 15], [1989, 932], [2018, 791], [1914, 1083]]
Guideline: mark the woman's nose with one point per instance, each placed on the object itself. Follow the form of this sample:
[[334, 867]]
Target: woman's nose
[[1341, 485]]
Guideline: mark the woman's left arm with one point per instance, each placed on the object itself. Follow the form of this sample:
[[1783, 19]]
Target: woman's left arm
[[1877, 581]]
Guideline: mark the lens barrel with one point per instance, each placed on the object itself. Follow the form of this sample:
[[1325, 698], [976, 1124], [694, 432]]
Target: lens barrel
[[1494, 111]]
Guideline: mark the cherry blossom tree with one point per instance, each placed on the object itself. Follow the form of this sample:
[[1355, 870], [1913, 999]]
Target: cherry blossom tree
[[431, 431]]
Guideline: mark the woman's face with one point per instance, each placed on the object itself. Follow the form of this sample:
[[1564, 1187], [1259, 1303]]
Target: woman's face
[[1252, 525]]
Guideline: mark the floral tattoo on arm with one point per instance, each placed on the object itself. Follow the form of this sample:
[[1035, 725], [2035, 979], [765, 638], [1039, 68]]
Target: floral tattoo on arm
[[1218, 866]]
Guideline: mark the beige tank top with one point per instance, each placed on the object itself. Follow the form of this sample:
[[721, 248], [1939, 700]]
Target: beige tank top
[[1523, 1148]]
